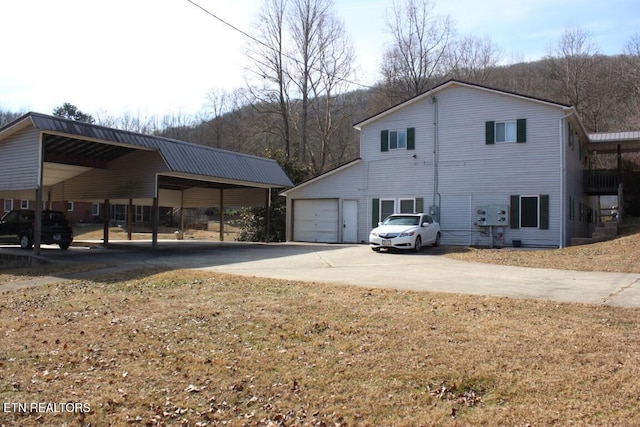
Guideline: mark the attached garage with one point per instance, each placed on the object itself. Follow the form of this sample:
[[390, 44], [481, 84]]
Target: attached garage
[[315, 220]]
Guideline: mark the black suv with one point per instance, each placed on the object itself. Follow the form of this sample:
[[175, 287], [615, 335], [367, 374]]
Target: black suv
[[17, 227]]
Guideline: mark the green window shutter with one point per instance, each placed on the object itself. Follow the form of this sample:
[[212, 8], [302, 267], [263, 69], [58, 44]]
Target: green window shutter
[[384, 141], [490, 133], [514, 212], [411, 139], [375, 212], [419, 204], [521, 130], [544, 211]]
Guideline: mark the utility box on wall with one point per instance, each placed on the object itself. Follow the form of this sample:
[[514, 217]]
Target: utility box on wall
[[492, 215], [434, 211]]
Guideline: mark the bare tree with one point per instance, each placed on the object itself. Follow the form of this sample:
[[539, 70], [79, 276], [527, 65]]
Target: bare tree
[[269, 63], [7, 116], [225, 124], [473, 59], [327, 107], [303, 58], [631, 75], [420, 41], [573, 67]]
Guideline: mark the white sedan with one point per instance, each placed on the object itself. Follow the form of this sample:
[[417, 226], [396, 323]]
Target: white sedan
[[405, 231]]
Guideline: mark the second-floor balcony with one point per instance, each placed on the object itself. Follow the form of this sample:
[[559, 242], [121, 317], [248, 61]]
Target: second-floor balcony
[[601, 182]]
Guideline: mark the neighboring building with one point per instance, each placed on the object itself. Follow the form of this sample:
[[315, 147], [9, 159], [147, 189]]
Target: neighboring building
[[496, 168]]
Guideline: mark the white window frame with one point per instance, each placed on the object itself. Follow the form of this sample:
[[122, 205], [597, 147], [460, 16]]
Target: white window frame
[[8, 205], [508, 125], [95, 209], [399, 139], [70, 206], [24, 204]]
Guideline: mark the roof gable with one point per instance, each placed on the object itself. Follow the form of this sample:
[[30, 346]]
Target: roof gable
[[444, 86]]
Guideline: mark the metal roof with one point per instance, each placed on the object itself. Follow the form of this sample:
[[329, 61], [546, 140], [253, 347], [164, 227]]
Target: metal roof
[[611, 142], [84, 144], [614, 136]]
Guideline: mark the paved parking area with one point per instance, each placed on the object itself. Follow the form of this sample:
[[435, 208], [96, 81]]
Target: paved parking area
[[358, 265]]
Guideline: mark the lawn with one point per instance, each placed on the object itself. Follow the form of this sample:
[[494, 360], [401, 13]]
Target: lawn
[[189, 348]]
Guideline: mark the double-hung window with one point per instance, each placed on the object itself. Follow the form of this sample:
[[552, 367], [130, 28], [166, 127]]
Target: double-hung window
[[402, 139], [499, 132], [397, 140], [506, 131]]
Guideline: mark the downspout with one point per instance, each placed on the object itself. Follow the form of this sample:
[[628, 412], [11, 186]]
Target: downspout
[[563, 178], [434, 101]]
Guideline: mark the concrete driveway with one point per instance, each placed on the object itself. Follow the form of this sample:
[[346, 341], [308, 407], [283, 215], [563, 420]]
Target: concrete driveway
[[358, 265]]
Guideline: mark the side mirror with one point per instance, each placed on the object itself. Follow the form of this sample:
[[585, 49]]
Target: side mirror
[[425, 224]]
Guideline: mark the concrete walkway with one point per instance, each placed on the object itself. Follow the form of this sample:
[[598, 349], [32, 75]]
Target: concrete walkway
[[358, 265]]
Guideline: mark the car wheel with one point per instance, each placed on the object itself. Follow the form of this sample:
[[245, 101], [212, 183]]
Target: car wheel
[[436, 243], [25, 241], [418, 244], [64, 245]]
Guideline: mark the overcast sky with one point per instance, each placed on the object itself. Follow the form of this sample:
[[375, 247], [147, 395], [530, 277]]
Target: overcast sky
[[156, 57]]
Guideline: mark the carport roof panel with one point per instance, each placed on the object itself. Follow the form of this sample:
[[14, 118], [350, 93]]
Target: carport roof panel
[[179, 156]]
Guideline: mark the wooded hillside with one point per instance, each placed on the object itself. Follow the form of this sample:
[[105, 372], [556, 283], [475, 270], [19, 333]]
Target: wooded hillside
[[606, 103]]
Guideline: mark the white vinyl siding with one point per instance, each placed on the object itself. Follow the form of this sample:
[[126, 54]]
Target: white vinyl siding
[[20, 161], [470, 173]]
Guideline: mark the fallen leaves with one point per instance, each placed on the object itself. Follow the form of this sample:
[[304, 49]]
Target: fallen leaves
[[193, 348]]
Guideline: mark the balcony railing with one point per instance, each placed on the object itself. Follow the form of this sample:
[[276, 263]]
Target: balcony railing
[[601, 182]]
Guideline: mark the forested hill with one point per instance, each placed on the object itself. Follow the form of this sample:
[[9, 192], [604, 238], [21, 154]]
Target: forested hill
[[602, 88]]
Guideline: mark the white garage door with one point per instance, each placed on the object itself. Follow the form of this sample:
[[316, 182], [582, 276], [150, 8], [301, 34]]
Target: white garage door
[[315, 220]]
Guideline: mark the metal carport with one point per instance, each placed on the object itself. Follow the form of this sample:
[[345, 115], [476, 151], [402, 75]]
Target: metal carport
[[47, 158]]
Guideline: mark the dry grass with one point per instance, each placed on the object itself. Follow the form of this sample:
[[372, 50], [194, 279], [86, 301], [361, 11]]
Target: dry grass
[[619, 255], [188, 348], [95, 232], [202, 349]]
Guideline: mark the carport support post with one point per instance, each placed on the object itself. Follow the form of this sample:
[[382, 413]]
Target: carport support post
[[129, 218], [105, 223], [154, 227], [37, 237], [267, 215], [222, 215]]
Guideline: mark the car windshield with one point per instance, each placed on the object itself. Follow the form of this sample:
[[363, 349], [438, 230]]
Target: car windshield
[[402, 220]]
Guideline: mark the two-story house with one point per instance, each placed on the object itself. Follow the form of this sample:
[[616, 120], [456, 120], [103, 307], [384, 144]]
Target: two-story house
[[495, 168]]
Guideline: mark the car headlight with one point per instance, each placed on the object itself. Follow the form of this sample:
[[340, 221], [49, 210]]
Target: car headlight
[[407, 233]]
